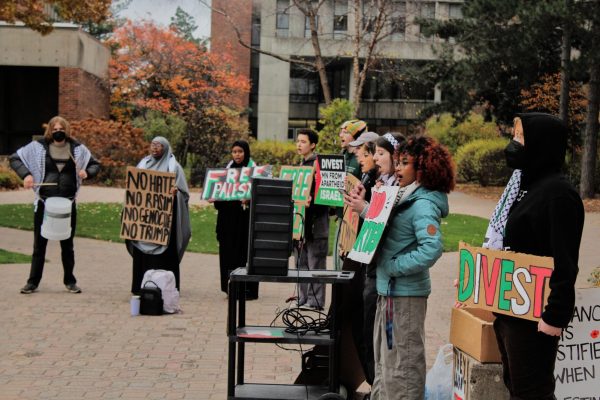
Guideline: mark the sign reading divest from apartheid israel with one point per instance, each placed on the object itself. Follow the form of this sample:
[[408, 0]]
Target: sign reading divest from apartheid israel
[[302, 178], [505, 282], [148, 209], [330, 172], [349, 225], [231, 184], [577, 368], [382, 202]]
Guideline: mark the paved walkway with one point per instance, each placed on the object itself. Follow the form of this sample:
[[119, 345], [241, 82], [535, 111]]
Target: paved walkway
[[57, 345]]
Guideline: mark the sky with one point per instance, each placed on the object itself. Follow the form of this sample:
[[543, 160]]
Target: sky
[[161, 11]]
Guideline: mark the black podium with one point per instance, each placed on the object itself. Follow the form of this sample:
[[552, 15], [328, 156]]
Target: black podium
[[239, 333]]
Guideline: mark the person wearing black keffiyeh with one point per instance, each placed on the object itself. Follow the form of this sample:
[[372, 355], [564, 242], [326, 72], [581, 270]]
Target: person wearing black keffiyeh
[[545, 219]]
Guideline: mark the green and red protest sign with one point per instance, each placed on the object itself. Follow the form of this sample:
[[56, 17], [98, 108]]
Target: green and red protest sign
[[231, 184], [148, 209], [380, 208], [302, 178], [504, 282], [330, 171]]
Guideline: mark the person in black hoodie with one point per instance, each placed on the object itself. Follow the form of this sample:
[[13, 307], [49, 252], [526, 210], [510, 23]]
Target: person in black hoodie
[[53, 166], [233, 218], [546, 219]]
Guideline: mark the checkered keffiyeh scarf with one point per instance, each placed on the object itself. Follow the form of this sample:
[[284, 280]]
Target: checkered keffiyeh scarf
[[494, 237], [33, 157]]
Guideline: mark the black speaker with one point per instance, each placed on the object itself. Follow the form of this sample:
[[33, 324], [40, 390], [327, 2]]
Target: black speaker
[[271, 224]]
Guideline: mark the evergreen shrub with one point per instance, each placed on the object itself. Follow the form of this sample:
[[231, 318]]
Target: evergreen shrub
[[483, 161]]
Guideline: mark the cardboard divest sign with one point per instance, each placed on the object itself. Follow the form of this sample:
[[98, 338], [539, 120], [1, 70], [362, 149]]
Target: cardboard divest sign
[[505, 282], [302, 178], [148, 209], [330, 172], [382, 202], [231, 184], [349, 225], [577, 368]]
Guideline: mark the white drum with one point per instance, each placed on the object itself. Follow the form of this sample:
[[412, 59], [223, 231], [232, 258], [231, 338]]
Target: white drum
[[57, 218]]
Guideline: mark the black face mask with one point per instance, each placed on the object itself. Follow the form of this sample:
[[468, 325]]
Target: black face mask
[[59, 136], [515, 155]]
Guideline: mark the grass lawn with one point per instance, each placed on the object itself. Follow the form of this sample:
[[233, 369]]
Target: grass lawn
[[8, 257], [102, 221]]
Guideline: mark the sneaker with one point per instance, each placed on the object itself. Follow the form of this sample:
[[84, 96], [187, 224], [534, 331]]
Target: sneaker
[[29, 288], [73, 288]]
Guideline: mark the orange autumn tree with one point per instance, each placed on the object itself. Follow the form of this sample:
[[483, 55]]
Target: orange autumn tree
[[153, 68], [545, 96], [34, 13]]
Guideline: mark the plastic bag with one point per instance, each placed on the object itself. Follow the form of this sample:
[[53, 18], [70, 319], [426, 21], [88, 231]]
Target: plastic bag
[[165, 280], [438, 383]]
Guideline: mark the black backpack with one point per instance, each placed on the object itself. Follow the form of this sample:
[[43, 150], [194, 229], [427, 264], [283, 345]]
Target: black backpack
[[151, 302]]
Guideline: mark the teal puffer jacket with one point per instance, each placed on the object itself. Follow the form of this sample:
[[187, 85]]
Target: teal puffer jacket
[[412, 245]]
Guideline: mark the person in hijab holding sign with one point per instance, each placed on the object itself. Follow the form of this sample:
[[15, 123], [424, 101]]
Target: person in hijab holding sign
[[154, 256], [544, 217], [411, 244], [53, 166], [233, 218]]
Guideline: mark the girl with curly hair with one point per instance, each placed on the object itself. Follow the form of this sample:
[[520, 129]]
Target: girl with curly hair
[[412, 245]]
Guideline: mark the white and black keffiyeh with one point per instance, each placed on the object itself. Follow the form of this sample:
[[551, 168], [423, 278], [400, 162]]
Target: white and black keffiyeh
[[33, 156], [494, 236]]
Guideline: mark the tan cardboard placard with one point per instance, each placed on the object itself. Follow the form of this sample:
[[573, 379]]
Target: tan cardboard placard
[[349, 224], [148, 208], [505, 282], [302, 178]]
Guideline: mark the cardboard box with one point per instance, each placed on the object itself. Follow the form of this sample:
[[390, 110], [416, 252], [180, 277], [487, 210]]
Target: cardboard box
[[472, 331]]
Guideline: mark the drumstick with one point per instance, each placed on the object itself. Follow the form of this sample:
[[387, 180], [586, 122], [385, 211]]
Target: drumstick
[[45, 184]]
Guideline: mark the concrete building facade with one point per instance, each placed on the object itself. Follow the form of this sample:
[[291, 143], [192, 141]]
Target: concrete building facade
[[285, 98], [63, 73]]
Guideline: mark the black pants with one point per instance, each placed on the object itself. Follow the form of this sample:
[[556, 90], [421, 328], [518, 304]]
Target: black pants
[[39, 249], [369, 309], [229, 260], [142, 262], [528, 358]]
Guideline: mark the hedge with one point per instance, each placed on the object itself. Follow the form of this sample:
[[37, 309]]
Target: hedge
[[483, 161]]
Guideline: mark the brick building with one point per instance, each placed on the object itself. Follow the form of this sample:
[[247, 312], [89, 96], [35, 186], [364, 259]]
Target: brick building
[[63, 73], [285, 98]]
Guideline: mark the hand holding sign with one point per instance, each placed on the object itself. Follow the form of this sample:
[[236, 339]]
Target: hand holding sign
[[505, 282]]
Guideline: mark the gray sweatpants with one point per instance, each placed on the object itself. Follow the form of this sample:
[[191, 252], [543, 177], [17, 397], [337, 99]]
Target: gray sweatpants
[[312, 256], [400, 372]]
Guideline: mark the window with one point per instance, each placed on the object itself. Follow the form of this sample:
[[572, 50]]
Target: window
[[455, 11], [283, 17], [369, 12], [340, 16], [304, 86], [379, 88], [255, 36], [427, 12], [398, 23], [307, 25]]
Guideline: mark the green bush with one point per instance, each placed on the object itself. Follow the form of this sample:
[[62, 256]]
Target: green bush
[[8, 178], [170, 126], [454, 135], [483, 161], [332, 117], [274, 153]]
